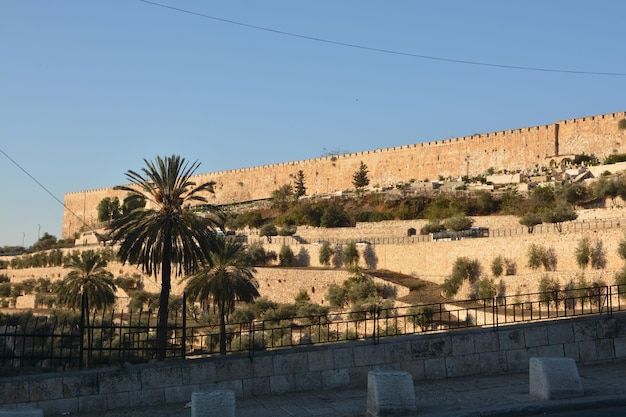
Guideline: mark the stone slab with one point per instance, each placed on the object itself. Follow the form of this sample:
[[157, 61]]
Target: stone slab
[[554, 378], [390, 393], [213, 403]]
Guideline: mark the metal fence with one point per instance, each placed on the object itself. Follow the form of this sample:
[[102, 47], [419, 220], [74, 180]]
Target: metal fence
[[64, 341]]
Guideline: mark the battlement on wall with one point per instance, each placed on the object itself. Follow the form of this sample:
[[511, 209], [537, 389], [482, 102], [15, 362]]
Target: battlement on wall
[[512, 149]]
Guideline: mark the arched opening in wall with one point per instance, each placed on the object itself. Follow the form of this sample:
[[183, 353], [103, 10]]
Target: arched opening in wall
[[411, 231], [553, 163]]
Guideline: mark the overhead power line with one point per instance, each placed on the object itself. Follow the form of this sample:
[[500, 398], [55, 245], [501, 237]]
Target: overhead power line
[[45, 189], [380, 50]]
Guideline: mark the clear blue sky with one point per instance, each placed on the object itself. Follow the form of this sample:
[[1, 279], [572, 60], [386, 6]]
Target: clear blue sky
[[88, 89]]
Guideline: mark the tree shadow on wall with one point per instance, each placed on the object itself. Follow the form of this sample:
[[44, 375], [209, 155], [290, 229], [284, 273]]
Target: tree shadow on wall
[[370, 258]]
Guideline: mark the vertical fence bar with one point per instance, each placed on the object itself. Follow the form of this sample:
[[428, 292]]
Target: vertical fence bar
[[81, 347], [184, 341]]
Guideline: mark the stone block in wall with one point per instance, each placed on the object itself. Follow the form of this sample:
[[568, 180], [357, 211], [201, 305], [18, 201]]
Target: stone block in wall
[[149, 396], [13, 391], [280, 384], [551, 351], [462, 365], [335, 378], [398, 352], [620, 347], [235, 385], [493, 362], [179, 394], [585, 330], [308, 381], [369, 354], [78, 384], [262, 366], [511, 339], [123, 380], [290, 363], [343, 357], [435, 368], [320, 360], [572, 350], [256, 386], [605, 349], [561, 333], [92, 403], [161, 376], [517, 359], [235, 368], [463, 344], [536, 336], [358, 375], [118, 400], [415, 368], [198, 371], [46, 389], [431, 347], [486, 342]]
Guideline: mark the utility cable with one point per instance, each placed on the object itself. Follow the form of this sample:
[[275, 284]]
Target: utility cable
[[386, 51], [46, 190]]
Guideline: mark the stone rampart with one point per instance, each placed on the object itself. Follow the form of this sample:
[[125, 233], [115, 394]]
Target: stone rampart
[[426, 357], [516, 149]]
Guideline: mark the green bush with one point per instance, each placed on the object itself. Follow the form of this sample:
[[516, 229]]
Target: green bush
[[549, 289], [422, 316], [326, 253], [458, 223], [486, 289], [432, 227], [497, 266], [286, 257]]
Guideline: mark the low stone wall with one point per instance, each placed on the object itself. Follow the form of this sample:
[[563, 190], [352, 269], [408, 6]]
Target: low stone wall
[[342, 365]]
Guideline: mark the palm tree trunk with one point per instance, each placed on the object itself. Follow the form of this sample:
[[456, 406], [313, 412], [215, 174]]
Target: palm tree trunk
[[164, 298], [222, 331]]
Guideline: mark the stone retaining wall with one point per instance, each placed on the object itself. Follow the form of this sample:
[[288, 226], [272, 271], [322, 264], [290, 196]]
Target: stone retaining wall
[[343, 365]]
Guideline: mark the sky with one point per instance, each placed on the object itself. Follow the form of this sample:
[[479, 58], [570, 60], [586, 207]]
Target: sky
[[89, 89]]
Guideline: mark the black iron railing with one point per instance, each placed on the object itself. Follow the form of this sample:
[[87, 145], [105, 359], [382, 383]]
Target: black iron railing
[[65, 341]]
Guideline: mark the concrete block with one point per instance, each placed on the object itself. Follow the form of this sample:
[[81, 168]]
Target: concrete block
[[290, 363], [463, 344], [390, 394], [554, 378], [335, 378], [35, 412], [213, 404], [321, 360]]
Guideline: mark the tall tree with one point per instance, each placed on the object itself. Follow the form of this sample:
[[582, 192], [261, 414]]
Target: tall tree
[[230, 278], [109, 209], [299, 184], [166, 234], [360, 179], [88, 286], [90, 277]]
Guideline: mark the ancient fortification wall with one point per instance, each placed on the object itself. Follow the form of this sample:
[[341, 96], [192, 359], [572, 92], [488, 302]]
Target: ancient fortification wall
[[470, 155]]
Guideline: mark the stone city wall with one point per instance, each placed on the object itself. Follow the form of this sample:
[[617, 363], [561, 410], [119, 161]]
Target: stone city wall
[[426, 357], [516, 149]]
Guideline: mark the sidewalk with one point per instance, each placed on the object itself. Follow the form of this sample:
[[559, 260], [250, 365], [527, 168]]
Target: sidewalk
[[494, 395]]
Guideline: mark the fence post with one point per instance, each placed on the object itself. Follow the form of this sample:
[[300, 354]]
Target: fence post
[[184, 341], [81, 348]]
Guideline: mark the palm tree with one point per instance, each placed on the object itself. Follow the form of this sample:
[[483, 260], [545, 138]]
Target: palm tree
[[88, 284], [230, 278], [165, 233]]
